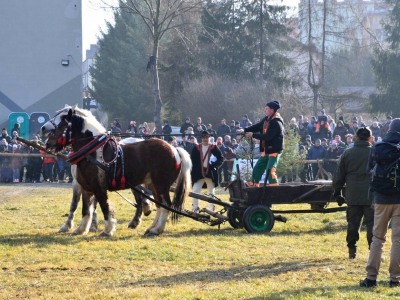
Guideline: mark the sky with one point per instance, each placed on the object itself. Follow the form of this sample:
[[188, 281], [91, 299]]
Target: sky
[[95, 15]]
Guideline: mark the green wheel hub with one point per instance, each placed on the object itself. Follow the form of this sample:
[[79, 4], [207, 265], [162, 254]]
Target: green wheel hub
[[258, 219]]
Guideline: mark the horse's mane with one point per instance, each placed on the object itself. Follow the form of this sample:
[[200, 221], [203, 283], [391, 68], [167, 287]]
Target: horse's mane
[[91, 122]]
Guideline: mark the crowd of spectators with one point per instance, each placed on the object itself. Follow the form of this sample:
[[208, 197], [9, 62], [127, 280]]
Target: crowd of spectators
[[30, 169], [320, 137]]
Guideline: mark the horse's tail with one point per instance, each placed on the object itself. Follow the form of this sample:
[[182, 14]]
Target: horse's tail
[[183, 183]]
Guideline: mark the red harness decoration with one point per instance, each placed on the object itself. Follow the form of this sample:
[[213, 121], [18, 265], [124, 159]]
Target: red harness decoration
[[75, 157]]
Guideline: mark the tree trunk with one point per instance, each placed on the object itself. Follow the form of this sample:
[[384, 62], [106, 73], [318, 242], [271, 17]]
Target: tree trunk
[[261, 39], [156, 88]]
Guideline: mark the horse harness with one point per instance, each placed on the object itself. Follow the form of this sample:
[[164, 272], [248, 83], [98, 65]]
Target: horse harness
[[107, 164]]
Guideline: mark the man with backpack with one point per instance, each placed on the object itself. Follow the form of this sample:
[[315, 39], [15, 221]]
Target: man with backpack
[[351, 171], [383, 164]]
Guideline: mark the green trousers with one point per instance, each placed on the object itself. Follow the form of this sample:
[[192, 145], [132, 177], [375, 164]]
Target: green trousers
[[267, 162]]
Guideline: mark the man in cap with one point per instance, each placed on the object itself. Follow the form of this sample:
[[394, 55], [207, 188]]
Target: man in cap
[[245, 122], [385, 127], [4, 135], [223, 129], [386, 208], [232, 126], [351, 172], [270, 133], [186, 125], [206, 159], [316, 152]]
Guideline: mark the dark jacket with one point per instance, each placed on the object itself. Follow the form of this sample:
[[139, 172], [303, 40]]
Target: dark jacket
[[7, 137], [245, 123], [303, 133], [272, 141], [316, 152], [185, 126], [390, 137], [376, 131], [167, 128], [341, 131], [213, 167], [223, 130], [351, 171]]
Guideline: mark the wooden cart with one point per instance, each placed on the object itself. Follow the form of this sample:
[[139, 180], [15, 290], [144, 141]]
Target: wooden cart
[[252, 206]]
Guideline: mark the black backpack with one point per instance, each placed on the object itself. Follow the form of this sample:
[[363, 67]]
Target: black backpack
[[385, 176]]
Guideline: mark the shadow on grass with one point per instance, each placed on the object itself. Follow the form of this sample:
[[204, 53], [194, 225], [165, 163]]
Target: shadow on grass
[[227, 230], [44, 240], [232, 274]]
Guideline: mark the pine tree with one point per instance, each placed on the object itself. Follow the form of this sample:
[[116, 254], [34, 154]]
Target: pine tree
[[121, 84], [386, 66]]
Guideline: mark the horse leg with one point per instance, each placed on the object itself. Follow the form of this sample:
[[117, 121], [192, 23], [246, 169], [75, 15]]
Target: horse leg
[[93, 225], [87, 213], [139, 209], [76, 195], [150, 231], [108, 213], [158, 226], [143, 206]]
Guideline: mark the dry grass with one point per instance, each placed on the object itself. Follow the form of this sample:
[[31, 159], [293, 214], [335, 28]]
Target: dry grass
[[306, 258]]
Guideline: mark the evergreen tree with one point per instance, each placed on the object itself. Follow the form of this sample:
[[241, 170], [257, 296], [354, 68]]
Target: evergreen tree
[[242, 40], [121, 84], [386, 66]]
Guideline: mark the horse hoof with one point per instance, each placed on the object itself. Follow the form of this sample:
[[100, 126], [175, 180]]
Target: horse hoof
[[105, 234], [150, 233], [133, 224], [93, 228], [64, 229]]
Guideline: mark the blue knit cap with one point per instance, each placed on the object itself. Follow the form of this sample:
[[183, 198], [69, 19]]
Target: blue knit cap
[[275, 105]]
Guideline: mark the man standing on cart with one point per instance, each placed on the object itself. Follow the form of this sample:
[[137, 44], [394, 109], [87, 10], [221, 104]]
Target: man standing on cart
[[270, 133], [351, 171]]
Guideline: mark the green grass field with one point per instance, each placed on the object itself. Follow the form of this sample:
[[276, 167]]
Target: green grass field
[[305, 258]]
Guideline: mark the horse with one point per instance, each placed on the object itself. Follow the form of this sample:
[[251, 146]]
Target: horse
[[143, 205], [153, 162]]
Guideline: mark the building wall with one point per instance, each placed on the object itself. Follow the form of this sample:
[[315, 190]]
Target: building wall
[[36, 35]]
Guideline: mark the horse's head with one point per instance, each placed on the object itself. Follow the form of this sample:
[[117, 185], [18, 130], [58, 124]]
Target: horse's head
[[51, 124], [61, 133], [68, 125]]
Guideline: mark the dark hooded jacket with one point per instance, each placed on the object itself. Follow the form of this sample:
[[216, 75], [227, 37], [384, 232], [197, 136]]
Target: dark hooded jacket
[[394, 138], [341, 131], [272, 140], [166, 129]]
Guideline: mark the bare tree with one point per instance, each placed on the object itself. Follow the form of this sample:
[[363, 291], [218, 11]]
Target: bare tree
[[160, 17]]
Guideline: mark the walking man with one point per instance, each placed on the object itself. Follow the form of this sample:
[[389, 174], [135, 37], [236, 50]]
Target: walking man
[[386, 208], [351, 171], [270, 133], [206, 159]]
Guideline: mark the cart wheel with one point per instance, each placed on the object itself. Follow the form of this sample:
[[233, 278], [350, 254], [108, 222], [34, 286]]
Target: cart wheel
[[235, 217], [258, 219]]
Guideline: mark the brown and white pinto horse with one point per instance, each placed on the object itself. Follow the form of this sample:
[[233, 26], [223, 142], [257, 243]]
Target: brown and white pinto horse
[[152, 162], [143, 204]]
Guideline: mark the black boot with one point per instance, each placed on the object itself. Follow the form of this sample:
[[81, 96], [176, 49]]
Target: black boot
[[368, 283], [352, 253]]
